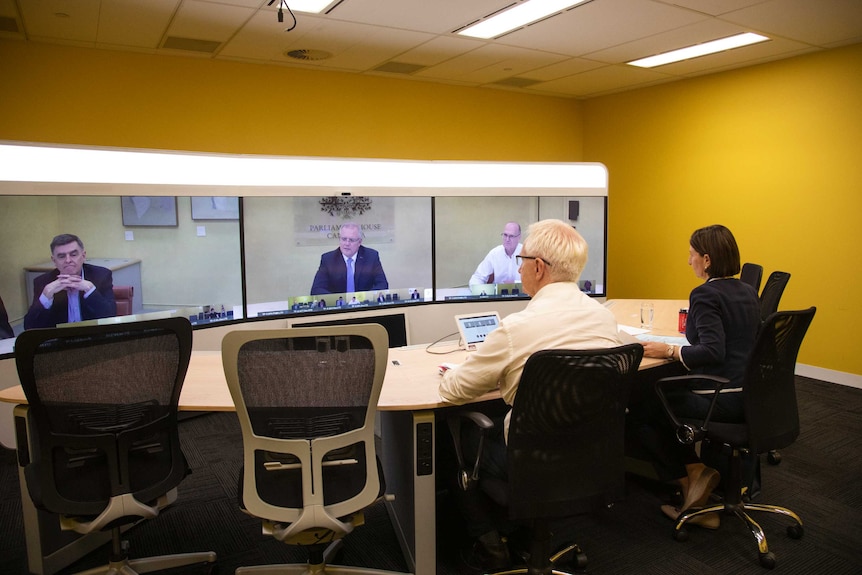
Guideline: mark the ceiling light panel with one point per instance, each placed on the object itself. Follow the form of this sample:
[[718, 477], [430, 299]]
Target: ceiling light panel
[[516, 17], [310, 6], [698, 50]]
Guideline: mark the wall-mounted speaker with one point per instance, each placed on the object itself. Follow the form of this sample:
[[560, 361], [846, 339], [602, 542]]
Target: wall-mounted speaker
[[574, 209]]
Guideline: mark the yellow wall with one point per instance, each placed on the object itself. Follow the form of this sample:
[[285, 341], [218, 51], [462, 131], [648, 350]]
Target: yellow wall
[[771, 151], [81, 96]]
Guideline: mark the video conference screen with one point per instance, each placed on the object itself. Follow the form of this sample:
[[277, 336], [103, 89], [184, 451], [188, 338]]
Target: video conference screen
[[477, 240], [186, 256], [297, 248]]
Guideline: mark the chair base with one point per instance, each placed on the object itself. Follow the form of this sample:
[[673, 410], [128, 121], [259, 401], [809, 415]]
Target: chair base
[[150, 564], [579, 562], [315, 568], [320, 569], [740, 510]]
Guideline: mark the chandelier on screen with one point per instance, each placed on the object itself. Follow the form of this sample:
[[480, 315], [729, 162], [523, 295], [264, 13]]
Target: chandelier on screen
[[345, 206]]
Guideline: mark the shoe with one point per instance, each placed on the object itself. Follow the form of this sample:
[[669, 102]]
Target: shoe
[[707, 521], [700, 489], [487, 557]]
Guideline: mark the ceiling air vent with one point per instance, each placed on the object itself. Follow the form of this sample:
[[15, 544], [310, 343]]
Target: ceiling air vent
[[8, 24], [515, 82], [308, 55], [191, 44], [399, 68]]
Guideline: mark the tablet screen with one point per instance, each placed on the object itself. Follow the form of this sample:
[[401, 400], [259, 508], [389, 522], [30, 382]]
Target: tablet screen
[[474, 328]]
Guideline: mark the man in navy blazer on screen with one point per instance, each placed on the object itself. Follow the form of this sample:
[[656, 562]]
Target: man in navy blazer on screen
[[332, 275], [74, 291]]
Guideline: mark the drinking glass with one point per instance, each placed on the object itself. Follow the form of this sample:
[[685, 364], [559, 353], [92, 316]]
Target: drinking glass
[[647, 313]]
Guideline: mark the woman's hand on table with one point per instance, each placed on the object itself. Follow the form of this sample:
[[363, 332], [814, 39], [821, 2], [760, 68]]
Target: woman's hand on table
[[658, 349]]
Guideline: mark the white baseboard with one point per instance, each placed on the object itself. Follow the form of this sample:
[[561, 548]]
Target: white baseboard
[[830, 375]]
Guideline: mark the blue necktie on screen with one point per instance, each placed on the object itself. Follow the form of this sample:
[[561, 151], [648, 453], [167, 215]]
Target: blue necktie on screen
[[351, 287]]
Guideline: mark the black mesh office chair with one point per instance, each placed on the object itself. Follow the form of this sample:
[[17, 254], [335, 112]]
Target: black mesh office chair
[[771, 421], [752, 274], [565, 449], [105, 451], [306, 400], [771, 294], [769, 299]]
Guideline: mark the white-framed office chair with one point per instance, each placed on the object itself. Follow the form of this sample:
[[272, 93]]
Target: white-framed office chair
[[103, 448], [306, 400]]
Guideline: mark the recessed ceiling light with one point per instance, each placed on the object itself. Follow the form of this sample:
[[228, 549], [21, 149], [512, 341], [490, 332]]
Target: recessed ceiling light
[[719, 45], [517, 16]]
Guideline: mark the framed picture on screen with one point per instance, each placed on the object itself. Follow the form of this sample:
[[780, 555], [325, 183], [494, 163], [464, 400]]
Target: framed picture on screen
[[152, 211], [215, 208]]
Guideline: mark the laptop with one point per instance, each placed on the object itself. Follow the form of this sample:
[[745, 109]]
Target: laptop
[[475, 327]]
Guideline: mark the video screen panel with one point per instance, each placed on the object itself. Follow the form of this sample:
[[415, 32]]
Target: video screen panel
[[477, 239], [185, 258], [296, 250], [179, 258]]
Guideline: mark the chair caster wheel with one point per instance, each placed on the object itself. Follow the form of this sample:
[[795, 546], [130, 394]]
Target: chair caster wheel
[[580, 561], [571, 557], [680, 535], [768, 560], [773, 457], [795, 531]]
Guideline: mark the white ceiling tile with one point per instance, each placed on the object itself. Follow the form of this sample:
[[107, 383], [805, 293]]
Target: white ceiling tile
[[600, 24], [818, 23], [491, 63], [61, 19], [434, 16], [463, 65], [439, 49], [8, 8], [712, 7], [364, 47], [140, 23], [208, 20], [261, 39], [601, 80], [564, 68]]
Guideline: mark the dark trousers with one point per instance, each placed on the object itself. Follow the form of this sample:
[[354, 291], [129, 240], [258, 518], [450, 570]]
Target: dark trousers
[[651, 429], [481, 513]]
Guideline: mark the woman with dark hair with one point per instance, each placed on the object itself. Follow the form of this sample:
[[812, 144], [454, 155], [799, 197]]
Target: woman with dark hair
[[723, 319]]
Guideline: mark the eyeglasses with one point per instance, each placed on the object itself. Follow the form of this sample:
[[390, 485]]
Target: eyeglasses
[[520, 259], [510, 236], [350, 240]]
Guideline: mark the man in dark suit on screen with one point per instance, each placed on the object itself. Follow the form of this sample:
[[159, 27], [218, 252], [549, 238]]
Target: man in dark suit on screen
[[6, 330], [74, 291], [350, 268]]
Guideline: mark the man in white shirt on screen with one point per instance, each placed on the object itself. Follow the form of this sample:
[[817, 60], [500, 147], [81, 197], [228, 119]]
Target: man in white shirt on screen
[[559, 316], [499, 266]]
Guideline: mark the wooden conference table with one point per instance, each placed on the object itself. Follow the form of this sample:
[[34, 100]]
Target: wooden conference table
[[406, 412]]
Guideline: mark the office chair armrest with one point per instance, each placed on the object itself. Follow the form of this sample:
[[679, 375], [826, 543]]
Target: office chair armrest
[[686, 433], [468, 479]]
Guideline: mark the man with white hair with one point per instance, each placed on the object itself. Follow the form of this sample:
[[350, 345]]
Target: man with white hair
[[559, 316]]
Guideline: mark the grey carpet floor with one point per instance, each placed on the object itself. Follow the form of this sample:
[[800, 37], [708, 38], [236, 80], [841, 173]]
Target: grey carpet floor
[[820, 478]]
